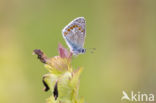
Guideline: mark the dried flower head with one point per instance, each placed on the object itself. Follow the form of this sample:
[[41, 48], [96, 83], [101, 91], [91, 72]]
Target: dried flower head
[[62, 80]]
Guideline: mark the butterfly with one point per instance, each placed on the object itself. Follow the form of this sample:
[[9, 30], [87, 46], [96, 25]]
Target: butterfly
[[74, 34]]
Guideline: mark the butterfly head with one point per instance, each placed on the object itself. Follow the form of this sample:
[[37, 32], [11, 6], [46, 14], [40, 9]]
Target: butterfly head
[[83, 51], [79, 51]]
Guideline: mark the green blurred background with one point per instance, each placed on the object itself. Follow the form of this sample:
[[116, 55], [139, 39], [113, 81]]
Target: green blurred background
[[122, 31]]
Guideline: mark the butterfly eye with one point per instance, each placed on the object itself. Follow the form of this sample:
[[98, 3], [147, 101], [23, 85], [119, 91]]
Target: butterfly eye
[[83, 51]]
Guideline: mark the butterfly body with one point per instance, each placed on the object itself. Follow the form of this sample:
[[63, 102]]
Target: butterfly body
[[74, 34]]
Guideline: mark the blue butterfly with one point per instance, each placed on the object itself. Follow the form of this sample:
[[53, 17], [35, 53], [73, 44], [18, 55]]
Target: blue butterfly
[[74, 34]]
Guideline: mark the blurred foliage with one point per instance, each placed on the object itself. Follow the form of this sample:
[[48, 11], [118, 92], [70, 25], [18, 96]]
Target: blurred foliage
[[122, 31]]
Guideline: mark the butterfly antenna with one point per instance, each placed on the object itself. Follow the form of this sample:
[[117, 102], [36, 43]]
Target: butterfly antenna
[[92, 50]]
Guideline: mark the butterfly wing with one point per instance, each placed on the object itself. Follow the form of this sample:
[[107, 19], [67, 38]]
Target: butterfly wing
[[74, 33]]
